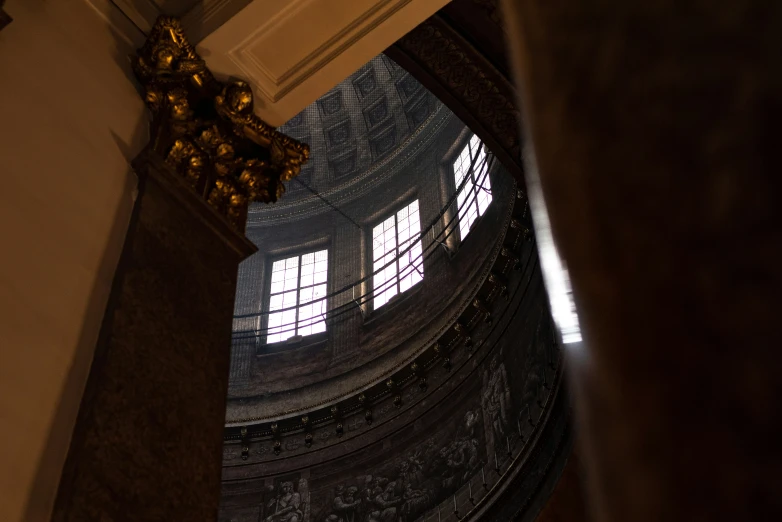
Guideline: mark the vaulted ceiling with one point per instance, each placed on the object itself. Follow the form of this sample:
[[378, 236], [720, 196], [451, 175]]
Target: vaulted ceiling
[[358, 123]]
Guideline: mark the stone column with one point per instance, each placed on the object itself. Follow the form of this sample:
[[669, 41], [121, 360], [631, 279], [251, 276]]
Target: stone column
[[654, 129], [148, 440]]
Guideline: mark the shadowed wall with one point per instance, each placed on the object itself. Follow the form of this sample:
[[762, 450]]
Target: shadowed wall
[[72, 120]]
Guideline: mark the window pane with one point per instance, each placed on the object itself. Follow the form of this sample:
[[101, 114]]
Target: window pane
[[302, 289], [275, 302], [410, 262], [383, 297], [273, 334], [474, 198], [284, 274], [461, 197], [474, 144], [312, 314], [472, 212], [413, 270], [278, 268], [282, 324], [384, 282], [461, 166], [278, 276], [417, 261], [484, 196], [467, 212], [277, 286], [321, 266], [383, 252], [307, 269], [390, 240], [482, 181]]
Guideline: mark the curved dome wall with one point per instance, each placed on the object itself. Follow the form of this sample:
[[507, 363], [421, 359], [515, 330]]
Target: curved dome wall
[[424, 446], [361, 347], [450, 393]]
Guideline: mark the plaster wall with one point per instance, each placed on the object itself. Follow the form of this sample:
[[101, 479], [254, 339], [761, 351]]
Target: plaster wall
[[71, 121]]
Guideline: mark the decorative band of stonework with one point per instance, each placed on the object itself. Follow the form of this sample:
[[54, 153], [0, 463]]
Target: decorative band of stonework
[[480, 94], [207, 130]]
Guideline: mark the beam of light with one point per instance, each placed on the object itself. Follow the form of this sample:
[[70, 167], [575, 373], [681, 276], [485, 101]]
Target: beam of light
[[555, 274]]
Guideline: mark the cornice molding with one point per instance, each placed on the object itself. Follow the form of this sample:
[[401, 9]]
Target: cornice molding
[[462, 78]]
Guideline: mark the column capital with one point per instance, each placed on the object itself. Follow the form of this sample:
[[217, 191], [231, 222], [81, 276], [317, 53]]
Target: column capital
[[207, 131]]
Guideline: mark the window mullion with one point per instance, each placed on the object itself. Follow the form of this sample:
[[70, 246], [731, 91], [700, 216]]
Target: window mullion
[[475, 189], [396, 250], [298, 297]]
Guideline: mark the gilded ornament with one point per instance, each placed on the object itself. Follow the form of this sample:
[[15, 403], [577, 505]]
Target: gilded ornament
[[207, 130]]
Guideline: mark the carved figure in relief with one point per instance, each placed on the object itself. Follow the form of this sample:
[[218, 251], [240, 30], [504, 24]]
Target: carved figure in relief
[[415, 501], [386, 503], [412, 483], [457, 461], [411, 471], [496, 398], [346, 503], [287, 505]]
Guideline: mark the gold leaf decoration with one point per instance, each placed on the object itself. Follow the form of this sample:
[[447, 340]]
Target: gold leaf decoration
[[207, 130]]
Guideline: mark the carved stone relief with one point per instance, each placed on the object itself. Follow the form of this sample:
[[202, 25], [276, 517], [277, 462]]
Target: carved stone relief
[[406, 482]]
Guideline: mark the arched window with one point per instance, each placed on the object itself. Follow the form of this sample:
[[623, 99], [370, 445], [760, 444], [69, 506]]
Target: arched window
[[471, 168]]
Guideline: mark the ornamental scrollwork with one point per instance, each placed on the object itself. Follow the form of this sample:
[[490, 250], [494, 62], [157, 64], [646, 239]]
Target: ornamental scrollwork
[[207, 131]]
